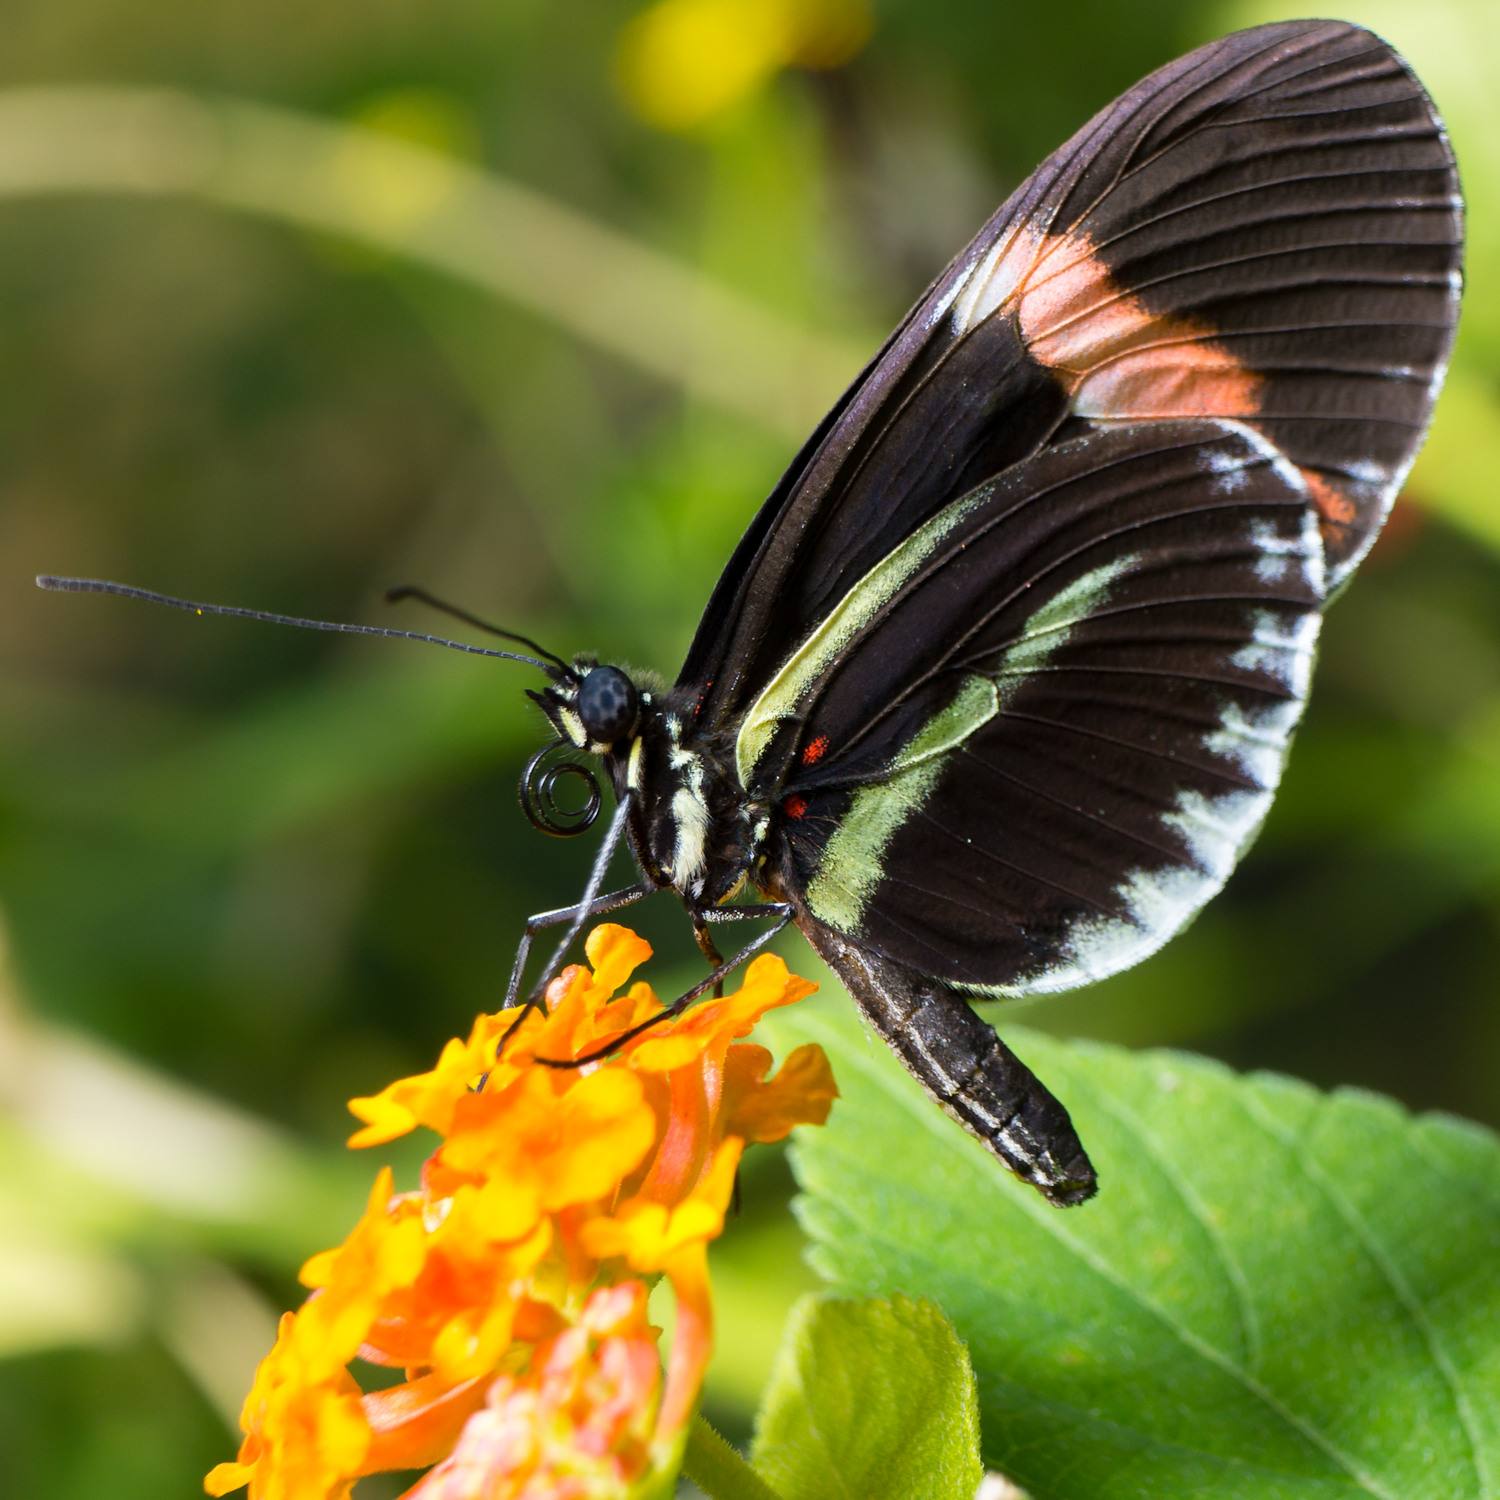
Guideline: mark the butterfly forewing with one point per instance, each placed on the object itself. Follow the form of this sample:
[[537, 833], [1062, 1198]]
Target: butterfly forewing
[[1266, 230], [1280, 245]]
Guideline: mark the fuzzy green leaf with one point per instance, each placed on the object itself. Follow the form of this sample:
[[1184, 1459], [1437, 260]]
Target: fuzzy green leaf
[[872, 1399], [1278, 1292]]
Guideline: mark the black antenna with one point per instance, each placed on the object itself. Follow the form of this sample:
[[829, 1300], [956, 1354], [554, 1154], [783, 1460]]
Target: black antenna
[[412, 591], [125, 591]]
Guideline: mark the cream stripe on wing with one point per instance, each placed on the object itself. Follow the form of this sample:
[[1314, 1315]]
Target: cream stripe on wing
[[852, 863]]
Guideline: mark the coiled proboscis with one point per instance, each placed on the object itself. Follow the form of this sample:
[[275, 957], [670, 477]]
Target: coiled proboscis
[[539, 783]]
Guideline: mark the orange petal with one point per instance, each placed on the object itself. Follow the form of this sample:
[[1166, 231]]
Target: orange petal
[[635, 1232], [648, 1234], [423, 1099], [801, 1093], [507, 1210], [223, 1478], [317, 1270], [672, 1050], [608, 1128], [692, 1340], [767, 985], [471, 1344], [615, 953], [416, 1424]]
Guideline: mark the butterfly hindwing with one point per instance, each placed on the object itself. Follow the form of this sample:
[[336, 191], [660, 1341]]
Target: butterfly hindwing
[[1266, 230], [1027, 747]]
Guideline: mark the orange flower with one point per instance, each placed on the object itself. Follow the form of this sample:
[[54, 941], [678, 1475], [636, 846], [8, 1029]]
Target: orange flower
[[581, 1427], [304, 1436], [500, 1286]]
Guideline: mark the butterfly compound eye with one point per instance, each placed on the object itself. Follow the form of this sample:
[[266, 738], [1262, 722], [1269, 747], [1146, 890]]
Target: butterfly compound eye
[[608, 704]]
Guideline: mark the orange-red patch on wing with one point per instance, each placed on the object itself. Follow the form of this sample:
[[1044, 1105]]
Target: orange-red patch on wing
[[815, 751], [794, 806], [1333, 505], [1118, 360]]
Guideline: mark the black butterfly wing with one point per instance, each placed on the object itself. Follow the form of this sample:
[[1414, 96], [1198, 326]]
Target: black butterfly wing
[[1015, 649], [1029, 745], [1266, 230]]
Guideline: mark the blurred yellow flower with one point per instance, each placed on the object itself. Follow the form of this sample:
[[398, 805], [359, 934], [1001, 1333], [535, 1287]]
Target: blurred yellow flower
[[502, 1287], [682, 62]]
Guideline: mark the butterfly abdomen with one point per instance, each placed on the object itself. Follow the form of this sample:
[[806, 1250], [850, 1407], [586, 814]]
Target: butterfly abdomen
[[965, 1067]]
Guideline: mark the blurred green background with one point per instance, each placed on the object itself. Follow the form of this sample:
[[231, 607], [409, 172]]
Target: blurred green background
[[528, 301]]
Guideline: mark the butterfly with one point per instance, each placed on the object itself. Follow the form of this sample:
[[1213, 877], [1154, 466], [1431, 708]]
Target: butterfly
[[998, 686]]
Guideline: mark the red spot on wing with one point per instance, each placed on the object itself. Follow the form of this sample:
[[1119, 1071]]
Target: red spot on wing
[[815, 751], [794, 807], [1338, 514]]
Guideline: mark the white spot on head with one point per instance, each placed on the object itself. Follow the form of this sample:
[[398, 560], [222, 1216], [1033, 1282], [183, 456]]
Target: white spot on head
[[573, 726]]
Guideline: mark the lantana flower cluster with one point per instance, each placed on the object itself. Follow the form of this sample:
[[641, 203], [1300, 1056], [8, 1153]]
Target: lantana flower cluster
[[511, 1288]]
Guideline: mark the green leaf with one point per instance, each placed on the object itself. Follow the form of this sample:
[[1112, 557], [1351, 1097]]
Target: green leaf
[[872, 1399], [1278, 1292], [717, 1468]]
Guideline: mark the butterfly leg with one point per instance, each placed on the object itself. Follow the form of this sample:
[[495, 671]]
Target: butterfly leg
[[592, 905], [780, 910], [708, 948], [783, 914], [545, 919], [721, 914]]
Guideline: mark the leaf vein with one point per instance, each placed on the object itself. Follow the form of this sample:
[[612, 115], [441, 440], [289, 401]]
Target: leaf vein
[[1364, 1232], [1234, 1273], [1046, 1217]]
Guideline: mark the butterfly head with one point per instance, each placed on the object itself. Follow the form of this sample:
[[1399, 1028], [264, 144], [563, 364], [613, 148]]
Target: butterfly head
[[600, 710], [594, 708]]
